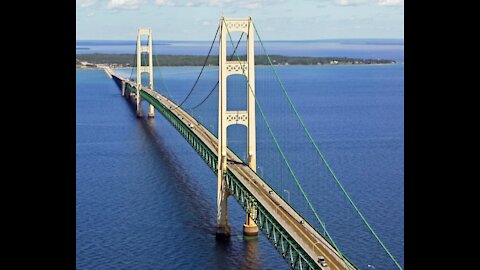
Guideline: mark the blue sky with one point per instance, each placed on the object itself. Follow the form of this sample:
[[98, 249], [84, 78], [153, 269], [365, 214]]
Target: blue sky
[[274, 19]]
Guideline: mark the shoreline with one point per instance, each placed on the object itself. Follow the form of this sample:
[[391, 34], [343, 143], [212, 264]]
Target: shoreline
[[127, 60], [323, 65]]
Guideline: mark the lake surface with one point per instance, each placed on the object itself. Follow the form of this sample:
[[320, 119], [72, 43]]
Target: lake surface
[[145, 199], [374, 49]]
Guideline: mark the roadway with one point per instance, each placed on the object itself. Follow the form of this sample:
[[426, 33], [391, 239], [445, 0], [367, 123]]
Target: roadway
[[303, 233]]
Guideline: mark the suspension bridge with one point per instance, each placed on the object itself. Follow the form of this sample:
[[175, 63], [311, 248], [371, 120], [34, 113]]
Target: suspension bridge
[[298, 241]]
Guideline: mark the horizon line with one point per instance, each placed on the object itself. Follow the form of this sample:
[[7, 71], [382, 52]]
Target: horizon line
[[324, 39]]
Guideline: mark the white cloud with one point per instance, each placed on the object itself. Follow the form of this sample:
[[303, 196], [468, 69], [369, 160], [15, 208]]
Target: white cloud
[[164, 3], [123, 4], [90, 14], [390, 2], [255, 4], [193, 4], [365, 2], [86, 3], [351, 2], [251, 4], [218, 2], [135, 4]]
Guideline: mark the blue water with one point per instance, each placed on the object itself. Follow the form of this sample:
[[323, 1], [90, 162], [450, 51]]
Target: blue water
[[145, 200], [383, 49]]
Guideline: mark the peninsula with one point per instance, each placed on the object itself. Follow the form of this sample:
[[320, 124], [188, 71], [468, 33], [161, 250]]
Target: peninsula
[[128, 60]]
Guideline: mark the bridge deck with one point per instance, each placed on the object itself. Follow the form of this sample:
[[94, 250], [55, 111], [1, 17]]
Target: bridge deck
[[303, 233]]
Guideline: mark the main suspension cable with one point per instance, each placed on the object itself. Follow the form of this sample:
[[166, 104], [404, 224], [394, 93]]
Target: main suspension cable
[[134, 64], [201, 71], [322, 157], [162, 80], [284, 158], [216, 84]]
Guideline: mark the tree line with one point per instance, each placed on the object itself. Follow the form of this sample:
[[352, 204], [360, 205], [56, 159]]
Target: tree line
[[194, 60]]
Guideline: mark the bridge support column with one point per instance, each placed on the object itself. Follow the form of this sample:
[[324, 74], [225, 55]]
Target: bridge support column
[[139, 105], [223, 228], [241, 117], [250, 229], [151, 111], [144, 69], [123, 88]]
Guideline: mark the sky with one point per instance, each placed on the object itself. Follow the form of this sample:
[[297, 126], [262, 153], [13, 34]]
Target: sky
[[274, 19]]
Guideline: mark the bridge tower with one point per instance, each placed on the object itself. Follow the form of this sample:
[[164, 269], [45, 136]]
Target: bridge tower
[[144, 69], [227, 118]]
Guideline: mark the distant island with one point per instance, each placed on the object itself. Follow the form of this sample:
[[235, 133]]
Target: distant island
[[128, 60]]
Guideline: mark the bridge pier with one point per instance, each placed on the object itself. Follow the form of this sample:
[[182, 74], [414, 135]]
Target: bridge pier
[[223, 228], [250, 229], [123, 88], [151, 111], [139, 105], [223, 231]]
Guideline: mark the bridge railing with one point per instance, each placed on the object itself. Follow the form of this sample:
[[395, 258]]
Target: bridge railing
[[282, 241]]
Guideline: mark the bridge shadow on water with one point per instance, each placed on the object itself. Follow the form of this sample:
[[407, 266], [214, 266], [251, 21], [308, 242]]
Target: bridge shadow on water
[[235, 252], [194, 201], [198, 205], [248, 251]]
